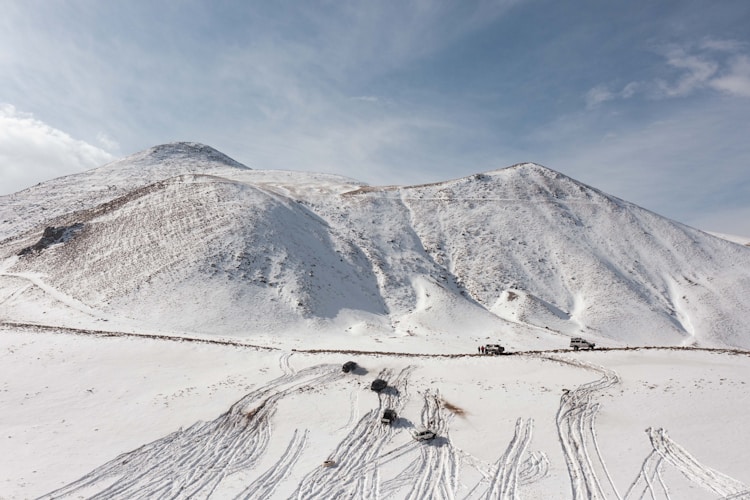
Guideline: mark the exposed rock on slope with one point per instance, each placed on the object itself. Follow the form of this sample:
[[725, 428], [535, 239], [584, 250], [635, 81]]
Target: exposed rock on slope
[[44, 201]]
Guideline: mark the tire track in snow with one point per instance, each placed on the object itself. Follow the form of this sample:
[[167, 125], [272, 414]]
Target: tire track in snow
[[545, 354], [534, 468], [665, 449], [648, 472], [16, 293], [356, 473], [191, 463], [353, 410], [575, 420], [286, 368], [434, 474], [504, 484], [263, 487], [75, 304]]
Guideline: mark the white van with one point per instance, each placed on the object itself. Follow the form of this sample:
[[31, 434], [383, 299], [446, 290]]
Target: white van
[[424, 435]]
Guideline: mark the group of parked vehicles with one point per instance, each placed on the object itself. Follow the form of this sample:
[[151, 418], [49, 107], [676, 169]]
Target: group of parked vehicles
[[576, 343], [390, 416]]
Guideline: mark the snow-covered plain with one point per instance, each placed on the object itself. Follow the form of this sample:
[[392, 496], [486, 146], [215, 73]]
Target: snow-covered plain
[[181, 335]]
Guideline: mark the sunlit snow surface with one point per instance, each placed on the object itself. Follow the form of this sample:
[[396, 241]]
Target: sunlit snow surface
[[184, 334], [126, 417]]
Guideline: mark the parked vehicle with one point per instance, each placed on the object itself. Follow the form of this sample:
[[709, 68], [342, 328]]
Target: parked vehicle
[[389, 416], [378, 385], [494, 349], [329, 463], [424, 435], [579, 343], [349, 366]]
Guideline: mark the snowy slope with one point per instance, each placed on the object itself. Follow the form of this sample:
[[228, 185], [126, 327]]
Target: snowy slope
[[48, 200], [173, 325], [740, 240], [582, 261], [184, 239]]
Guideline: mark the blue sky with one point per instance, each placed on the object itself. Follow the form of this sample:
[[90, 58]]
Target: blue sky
[[648, 101]]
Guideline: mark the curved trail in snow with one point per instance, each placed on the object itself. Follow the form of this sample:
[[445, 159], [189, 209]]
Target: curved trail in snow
[[191, 463], [665, 450], [264, 486], [575, 420], [434, 473], [501, 480], [208, 339], [356, 473], [504, 484], [35, 280]]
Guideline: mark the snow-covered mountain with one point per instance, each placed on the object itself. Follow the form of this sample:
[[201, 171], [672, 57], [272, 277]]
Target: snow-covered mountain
[[174, 324], [182, 238]]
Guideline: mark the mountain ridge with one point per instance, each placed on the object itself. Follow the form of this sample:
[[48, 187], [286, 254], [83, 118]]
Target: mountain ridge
[[210, 246]]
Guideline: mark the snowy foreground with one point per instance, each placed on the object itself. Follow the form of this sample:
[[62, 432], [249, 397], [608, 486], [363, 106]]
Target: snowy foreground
[[129, 417]]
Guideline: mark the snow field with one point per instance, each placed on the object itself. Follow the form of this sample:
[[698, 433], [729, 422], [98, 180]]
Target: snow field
[[84, 401]]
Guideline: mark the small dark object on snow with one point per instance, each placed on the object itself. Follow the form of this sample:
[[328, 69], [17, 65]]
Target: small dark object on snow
[[424, 435], [389, 416], [329, 463], [349, 366], [378, 385], [493, 349], [579, 343]]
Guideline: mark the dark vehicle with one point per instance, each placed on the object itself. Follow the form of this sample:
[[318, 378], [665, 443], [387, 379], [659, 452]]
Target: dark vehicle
[[389, 416], [349, 366], [378, 385], [494, 349], [579, 343]]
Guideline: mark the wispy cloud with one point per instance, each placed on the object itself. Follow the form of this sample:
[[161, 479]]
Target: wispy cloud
[[391, 92], [307, 79], [735, 80], [601, 94], [695, 71], [710, 64], [32, 151], [690, 165]]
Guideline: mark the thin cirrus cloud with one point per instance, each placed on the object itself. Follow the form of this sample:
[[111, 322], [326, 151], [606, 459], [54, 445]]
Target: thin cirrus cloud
[[736, 80], [720, 65], [632, 97], [32, 151]]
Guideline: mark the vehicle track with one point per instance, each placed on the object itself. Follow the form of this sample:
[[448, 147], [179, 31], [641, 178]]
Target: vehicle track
[[534, 468], [264, 486], [650, 470], [191, 463], [356, 473], [575, 420], [504, 484], [666, 450], [35, 280], [434, 473], [38, 327], [531, 469]]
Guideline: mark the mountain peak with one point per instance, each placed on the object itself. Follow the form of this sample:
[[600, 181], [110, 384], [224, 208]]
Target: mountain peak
[[173, 152], [529, 169]]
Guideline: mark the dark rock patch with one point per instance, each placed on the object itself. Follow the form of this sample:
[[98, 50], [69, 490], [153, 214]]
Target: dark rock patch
[[51, 236]]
